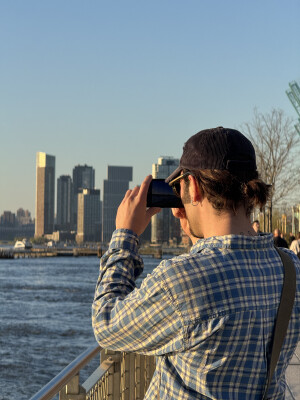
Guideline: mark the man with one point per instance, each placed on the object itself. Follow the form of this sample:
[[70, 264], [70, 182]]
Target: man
[[208, 315], [278, 240], [295, 245], [255, 226], [291, 239]]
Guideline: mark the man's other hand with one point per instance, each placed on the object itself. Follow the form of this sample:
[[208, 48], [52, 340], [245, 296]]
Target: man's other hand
[[132, 212]]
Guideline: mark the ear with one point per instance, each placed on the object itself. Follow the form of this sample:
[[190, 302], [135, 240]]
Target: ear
[[195, 191], [179, 212]]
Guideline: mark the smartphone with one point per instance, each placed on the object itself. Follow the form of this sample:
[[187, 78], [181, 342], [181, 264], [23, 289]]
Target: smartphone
[[160, 194]]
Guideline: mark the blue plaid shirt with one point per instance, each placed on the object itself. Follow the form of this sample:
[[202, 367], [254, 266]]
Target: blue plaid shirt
[[207, 315]]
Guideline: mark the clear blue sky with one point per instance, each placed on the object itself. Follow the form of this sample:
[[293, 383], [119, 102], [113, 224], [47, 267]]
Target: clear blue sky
[[124, 82]]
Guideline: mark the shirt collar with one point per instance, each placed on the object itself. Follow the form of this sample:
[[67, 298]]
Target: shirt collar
[[234, 242]]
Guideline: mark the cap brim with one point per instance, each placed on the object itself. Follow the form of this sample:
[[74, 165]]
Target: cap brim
[[174, 174]]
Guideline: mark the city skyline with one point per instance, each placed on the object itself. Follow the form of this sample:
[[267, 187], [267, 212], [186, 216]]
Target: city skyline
[[63, 175], [123, 83], [95, 219]]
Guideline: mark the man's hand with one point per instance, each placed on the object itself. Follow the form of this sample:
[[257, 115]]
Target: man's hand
[[132, 212]]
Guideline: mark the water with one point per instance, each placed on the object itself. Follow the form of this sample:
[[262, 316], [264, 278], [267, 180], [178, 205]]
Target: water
[[45, 318]]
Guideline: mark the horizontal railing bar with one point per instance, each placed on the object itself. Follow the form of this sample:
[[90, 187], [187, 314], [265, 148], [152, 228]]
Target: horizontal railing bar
[[98, 374], [60, 380]]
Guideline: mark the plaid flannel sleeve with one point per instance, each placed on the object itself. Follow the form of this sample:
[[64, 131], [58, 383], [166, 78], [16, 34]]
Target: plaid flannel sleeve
[[126, 318]]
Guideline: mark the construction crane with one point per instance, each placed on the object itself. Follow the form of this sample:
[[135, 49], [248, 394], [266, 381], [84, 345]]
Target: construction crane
[[294, 95]]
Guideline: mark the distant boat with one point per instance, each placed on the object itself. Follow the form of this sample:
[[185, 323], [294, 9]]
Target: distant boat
[[23, 244]]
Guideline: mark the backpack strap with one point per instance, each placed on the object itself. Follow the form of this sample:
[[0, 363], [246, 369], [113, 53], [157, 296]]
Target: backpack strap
[[283, 314]]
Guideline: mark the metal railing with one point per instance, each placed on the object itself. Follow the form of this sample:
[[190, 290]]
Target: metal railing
[[62, 379], [120, 376]]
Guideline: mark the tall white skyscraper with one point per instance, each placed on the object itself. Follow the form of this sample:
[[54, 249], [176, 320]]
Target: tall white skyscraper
[[164, 227], [45, 194]]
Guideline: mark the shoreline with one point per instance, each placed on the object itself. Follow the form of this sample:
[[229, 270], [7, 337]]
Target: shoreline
[[12, 253]]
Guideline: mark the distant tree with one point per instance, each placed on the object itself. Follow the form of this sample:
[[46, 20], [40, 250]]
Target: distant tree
[[276, 141], [39, 240]]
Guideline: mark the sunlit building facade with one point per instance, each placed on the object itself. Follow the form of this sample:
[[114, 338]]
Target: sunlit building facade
[[89, 216], [83, 178], [45, 194]]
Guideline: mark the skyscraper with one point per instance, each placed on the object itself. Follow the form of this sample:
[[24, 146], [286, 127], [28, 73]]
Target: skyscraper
[[114, 189], [164, 227], [45, 192], [64, 203], [89, 216], [83, 178]]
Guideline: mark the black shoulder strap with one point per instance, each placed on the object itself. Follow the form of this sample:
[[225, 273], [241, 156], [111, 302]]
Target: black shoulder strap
[[283, 314]]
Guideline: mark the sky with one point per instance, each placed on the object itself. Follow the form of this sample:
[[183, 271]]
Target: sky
[[125, 82]]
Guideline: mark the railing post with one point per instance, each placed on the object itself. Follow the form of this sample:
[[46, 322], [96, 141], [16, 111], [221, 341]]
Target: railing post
[[72, 390], [117, 377], [114, 381], [131, 375], [142, 376], [125, 377]]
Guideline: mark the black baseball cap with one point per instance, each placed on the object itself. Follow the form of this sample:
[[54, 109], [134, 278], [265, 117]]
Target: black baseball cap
[[217, 149]]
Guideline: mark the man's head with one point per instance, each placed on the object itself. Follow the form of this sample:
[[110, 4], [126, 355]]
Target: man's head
[[255, 225], [223, 162], [218, 183]]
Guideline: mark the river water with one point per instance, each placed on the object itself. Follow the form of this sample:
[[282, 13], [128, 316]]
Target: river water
[[45, 318]]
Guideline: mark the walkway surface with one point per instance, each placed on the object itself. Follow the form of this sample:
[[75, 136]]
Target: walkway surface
[[293, 377]]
